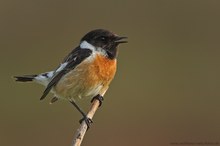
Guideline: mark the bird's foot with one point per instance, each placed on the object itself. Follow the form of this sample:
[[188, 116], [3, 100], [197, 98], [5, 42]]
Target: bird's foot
[[99, 98], [87, 120]]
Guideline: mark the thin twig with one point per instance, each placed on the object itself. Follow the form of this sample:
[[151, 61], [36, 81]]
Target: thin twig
[[81, 131]]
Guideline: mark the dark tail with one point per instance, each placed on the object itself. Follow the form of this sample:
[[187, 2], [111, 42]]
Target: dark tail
[[25, 78]]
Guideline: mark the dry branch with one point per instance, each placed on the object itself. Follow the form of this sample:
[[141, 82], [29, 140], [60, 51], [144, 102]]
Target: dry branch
[[81, 131]]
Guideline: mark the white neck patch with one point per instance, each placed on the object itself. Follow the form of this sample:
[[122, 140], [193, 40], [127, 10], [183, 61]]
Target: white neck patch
[[86, 45]]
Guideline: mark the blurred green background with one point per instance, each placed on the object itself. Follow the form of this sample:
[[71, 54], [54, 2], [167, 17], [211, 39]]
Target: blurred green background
[[166, 88]]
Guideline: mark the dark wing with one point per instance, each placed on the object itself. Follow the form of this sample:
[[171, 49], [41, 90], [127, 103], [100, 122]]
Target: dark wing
[[72, 60]]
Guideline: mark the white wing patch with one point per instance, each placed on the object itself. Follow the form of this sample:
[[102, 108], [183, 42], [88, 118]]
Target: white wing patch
[[61, 67]]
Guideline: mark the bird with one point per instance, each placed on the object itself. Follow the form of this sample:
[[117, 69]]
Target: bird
[[86, 72]]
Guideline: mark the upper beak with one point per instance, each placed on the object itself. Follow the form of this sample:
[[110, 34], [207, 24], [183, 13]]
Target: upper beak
[[120, 40]]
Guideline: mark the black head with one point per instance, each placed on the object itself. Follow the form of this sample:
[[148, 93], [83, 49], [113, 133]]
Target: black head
[[104, 39]]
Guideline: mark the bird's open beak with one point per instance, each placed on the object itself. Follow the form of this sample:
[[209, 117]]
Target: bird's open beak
[[120, 40]]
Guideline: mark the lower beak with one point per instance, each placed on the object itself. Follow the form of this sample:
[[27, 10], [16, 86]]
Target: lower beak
[[120, 40]]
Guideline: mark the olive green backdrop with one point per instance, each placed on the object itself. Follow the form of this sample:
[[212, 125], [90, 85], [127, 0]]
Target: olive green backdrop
[[167, 88]]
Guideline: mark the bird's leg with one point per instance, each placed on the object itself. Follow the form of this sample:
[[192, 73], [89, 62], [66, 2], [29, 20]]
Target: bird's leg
[[99, 98], [85, 118]]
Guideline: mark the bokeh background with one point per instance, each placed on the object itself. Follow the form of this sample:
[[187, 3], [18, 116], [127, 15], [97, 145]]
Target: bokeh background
[[166, 91]]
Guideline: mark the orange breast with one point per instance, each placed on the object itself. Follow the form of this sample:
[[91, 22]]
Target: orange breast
[[88, 78], [102, 69]]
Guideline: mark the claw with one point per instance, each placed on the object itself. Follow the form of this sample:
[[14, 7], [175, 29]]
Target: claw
[[87, 120], [99, 98]]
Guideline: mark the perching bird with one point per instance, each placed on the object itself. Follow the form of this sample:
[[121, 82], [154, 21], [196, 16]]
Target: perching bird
[[85, 73]]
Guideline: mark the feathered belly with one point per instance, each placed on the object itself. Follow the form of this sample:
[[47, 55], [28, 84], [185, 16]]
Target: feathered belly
[[88, 79]]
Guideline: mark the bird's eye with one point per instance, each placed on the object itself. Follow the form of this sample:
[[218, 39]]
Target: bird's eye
[[102, 38]]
